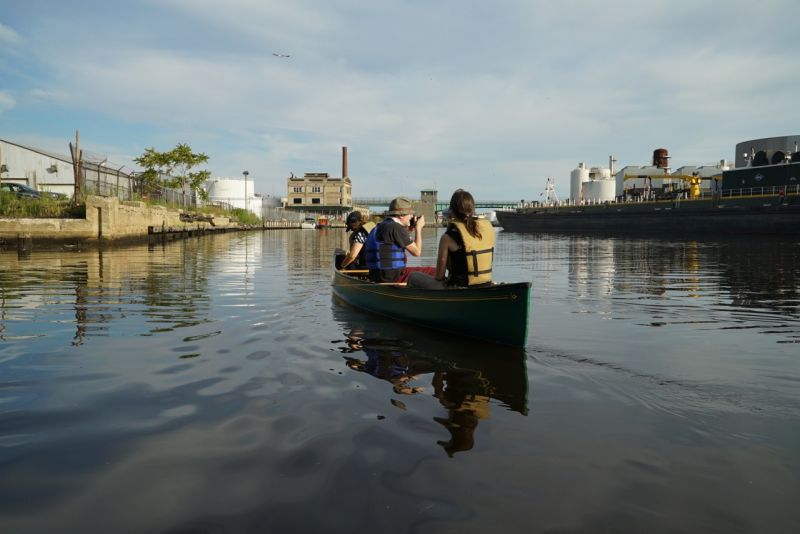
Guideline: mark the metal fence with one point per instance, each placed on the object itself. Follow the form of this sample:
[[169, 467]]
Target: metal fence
[[106, 181], [281, 214]]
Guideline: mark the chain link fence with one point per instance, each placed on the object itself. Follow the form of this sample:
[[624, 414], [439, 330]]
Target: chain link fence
[[105, 181]]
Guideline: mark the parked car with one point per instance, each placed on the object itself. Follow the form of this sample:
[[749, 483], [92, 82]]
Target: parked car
[[25, 191]]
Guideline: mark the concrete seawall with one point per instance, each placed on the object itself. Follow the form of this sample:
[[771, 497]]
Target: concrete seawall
[[110, 220]]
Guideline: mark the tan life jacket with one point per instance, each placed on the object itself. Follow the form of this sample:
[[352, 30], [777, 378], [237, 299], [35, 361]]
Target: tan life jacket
[[479, 252]]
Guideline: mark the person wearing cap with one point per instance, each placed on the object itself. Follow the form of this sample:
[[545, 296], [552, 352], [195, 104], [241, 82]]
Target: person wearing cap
[[359, 227], [389, 242]]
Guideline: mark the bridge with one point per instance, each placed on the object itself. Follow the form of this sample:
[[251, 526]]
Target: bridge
[[440, 206]]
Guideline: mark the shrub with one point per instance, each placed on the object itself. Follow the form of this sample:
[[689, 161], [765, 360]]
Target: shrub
[[38, 208]]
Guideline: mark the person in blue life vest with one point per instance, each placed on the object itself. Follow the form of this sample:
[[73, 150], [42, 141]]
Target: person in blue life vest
[[359, 227], [388, 242], [466, 249]]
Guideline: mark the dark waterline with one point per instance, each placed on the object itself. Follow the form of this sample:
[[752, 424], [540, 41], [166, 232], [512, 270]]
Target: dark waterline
[[214, 385]]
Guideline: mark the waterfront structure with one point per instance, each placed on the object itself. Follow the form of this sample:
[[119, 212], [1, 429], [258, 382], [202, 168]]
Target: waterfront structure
[[318, 192], [37, 168], [109, 220], [761, 198], [48, 171], [427, 204], [603, 184], [234, 193]]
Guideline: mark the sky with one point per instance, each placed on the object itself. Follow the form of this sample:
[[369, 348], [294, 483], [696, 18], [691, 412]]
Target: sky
[[490, 96]]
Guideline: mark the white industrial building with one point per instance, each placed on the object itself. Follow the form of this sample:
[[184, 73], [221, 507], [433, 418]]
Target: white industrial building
[[36, 168], [48, 171]]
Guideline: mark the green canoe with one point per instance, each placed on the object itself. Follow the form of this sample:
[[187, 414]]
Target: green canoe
[[497, 313]]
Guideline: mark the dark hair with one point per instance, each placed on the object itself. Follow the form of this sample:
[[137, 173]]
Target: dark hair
[[462, 209]]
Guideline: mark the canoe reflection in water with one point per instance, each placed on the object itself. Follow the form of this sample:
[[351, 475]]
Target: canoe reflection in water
[[465, 386]]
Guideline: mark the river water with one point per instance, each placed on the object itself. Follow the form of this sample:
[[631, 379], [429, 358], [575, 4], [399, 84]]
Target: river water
[[214, 385]]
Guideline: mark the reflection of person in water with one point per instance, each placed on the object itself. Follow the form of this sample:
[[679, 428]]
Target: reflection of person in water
[[385, 362], [465, 391], [466, 405]]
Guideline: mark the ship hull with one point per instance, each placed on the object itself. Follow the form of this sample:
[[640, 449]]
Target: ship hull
[[776, 215]]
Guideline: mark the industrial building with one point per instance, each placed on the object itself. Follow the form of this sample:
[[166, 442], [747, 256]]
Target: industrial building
[[36, 168], [48, 171], [593, 185], [318, 192]]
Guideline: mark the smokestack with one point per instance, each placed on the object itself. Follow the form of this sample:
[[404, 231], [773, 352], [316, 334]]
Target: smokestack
[[344, 162]]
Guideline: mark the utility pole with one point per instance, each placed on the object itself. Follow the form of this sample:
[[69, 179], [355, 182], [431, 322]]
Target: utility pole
[[76, 167], [245, 189]]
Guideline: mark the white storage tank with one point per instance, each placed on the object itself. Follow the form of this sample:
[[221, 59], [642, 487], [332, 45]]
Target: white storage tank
[[599, 173], [595, 191], [576, 179], [232, 191]]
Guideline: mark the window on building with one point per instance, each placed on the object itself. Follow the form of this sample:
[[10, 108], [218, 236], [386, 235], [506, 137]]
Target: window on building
[[316, 189], [315, 201], [297, 189], [297, 200]]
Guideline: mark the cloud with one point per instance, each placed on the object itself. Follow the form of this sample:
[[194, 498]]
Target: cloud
[[8, 35], [6, 102], [495, 95]]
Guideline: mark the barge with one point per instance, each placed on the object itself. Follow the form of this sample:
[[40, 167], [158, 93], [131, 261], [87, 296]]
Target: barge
[[761, 198]]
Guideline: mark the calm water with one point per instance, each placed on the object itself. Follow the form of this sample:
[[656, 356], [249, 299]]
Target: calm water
[[213, 385]]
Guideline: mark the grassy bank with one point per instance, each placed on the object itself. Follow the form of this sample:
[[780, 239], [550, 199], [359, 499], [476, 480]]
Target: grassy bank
[[39, 208]]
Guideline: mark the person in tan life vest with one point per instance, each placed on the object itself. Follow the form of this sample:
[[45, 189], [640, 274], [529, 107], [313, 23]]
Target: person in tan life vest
[[360, 227], [466, 249]]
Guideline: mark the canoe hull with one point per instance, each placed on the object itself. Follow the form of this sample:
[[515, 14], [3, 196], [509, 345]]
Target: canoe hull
[[497, 313]]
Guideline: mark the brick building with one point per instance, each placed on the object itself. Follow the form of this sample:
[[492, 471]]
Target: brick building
[[320, 192]]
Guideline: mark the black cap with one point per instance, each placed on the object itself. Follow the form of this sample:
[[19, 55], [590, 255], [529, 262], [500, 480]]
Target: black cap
[[352, 218]]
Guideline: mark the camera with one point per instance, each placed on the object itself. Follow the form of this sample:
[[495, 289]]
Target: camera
[[413, 222]]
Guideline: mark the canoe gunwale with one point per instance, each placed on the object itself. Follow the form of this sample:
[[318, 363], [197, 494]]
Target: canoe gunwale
[[496, 313]]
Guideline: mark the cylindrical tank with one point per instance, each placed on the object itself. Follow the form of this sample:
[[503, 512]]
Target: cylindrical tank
[[661, 158], [599, 190], [599, 173], [230, 190], [576, 179]]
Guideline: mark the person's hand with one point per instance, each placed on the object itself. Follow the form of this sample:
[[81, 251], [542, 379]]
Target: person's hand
[[420, 222]]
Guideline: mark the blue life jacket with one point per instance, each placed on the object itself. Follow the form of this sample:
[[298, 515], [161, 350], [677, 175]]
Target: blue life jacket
[[383, 256]]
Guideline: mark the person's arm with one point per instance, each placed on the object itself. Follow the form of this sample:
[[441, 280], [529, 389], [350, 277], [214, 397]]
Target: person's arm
[[442, 255], [355, 248], [415, 248]]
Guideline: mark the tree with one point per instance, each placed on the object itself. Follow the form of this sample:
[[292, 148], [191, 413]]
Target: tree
[[176, 165]]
